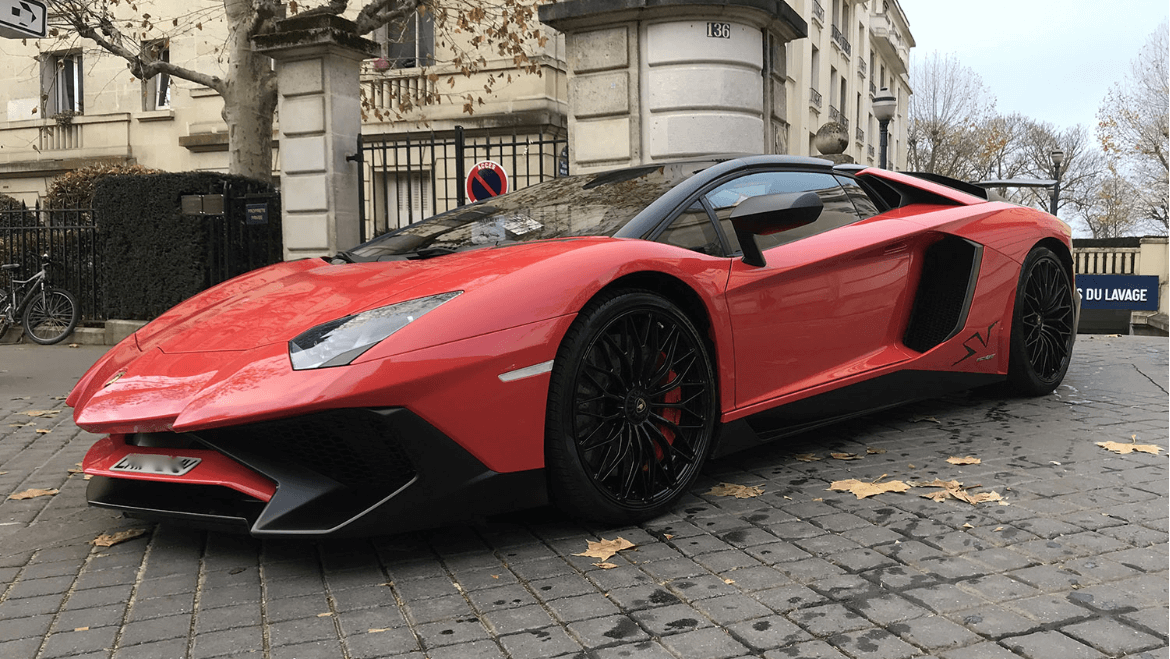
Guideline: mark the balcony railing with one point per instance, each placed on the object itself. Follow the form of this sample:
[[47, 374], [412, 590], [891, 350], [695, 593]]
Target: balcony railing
[[869, 150], [836, 115], [860, 136], [814, 98], [398, 93], [818, 12], [861, 67], [1107, 260], [63, 135], [872, 88], [841, 41]]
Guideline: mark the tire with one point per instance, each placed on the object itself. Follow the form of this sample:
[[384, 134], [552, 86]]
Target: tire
[[632, 409], [50, 317], [1043, 325]]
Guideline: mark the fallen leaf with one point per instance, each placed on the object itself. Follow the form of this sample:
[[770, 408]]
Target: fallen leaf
[[969, 460], [111, 539], [44, 413], [605, 566], [81, 629], [863, 489], [998, 528], [32, 494], [912, 466], [844, 456], [818, 499], [495, 576], [968, 526], [74, 345], [21, 425], [916, 419], [940, 495], [937, 483], [806, 457], [1123, 449], [378, 631], [43, 431], [874, 451], [73, 470], [605, 549], [1054, 462], [324, 615], [667, 536], [737, 491], [729, 581]]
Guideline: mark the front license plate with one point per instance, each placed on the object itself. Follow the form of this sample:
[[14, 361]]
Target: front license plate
[[156, 464]]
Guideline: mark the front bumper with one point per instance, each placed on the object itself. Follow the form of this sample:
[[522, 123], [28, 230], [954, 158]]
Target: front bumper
[[338, 472]]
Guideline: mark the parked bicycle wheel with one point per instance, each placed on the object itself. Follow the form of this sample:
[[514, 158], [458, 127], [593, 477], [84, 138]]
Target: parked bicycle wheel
[[51, 317]]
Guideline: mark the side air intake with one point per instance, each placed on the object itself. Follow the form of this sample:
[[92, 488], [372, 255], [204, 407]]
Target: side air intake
[[949, 273]]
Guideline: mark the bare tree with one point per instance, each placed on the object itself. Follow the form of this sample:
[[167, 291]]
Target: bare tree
[[1113, 212], [1134, 132], [1080, 174], [947, 108], [245, 79]]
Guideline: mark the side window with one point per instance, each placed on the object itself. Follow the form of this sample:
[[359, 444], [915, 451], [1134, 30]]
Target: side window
[[861, 201], [693, 230], [838, 212]]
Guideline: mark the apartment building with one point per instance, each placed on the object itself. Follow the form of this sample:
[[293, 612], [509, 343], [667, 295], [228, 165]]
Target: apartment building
[[69, 105]]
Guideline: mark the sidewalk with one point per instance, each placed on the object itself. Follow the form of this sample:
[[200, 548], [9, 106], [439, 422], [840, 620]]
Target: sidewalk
[[1074, 566]]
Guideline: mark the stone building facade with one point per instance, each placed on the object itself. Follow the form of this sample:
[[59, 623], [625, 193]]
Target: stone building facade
[[767, 85]]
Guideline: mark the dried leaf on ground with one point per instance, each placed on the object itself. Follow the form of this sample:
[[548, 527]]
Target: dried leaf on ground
[[378, 630], [605, 549], [969, 460], [936, 483], [916, 419], [806, 457], [42, 431], [44, 413], [74, 470], [324, 615], [737, 491], [1123, 448], [845, 456], [111, 539], [874, 451], [955, 490], [74, 345], [81, 629], [973, 499], [32, 494], [863, 489], [605, 566]]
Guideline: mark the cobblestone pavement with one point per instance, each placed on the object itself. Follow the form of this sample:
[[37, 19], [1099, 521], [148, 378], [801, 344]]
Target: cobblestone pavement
[[1074, 567]]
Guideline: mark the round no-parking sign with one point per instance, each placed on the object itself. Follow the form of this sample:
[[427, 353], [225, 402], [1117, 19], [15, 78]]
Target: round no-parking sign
[[486, 179]]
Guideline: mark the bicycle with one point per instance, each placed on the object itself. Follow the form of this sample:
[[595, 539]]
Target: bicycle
[[48, 314]]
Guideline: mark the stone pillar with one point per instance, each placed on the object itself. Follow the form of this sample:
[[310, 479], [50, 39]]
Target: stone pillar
[[658, 80], [318, 62]]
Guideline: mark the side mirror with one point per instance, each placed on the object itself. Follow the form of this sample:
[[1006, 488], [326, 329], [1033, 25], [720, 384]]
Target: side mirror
[[768, 214]]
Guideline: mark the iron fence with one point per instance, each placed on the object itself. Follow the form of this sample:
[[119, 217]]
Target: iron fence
[[407, 179], [69, 237]]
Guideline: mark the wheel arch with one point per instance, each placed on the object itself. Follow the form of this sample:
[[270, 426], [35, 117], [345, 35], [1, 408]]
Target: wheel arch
[[1062, 252]]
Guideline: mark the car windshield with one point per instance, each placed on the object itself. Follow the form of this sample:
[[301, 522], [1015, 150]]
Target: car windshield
[[584, 205]]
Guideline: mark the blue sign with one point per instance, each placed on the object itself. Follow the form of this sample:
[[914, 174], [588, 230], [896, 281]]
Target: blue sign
[[256, 214], [1132, 292]]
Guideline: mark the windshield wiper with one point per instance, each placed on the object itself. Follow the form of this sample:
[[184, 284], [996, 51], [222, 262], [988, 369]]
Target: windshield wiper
[[344, 256], [432, 252]]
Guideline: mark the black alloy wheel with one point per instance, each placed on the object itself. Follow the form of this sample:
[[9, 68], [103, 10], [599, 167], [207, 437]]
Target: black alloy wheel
[[1044, 325], [632, 409]]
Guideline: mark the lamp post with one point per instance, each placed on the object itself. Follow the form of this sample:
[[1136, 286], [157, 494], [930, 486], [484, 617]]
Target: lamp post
[[1057, 160], [884, 106]]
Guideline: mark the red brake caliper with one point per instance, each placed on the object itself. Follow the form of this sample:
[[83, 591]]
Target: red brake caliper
[[673, 415]]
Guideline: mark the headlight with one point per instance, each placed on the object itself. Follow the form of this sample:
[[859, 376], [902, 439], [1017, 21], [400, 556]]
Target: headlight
[[339, 342]]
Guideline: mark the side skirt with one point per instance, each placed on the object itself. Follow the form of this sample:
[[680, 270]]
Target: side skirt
[[880, 393]]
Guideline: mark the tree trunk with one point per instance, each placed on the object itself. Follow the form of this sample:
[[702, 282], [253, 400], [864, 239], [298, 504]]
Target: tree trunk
[[249, 98]]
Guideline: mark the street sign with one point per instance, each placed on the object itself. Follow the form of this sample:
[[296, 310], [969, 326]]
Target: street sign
[[486, 179], [21, 19], [1130, 292]]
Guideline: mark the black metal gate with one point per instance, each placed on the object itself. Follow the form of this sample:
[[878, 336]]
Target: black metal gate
[[69, 237], [406, 179]]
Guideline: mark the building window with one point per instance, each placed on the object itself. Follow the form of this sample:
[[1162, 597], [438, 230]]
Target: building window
[[157, 90], [61, 83], [408, 42]]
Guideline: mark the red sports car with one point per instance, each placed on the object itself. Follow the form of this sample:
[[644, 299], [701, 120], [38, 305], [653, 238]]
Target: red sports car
[[590, 340]]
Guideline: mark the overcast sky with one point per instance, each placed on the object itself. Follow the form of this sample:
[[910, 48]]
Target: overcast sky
[[1050, 60]]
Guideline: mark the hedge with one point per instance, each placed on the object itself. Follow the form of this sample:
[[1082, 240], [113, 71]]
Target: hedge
[[153, 256]]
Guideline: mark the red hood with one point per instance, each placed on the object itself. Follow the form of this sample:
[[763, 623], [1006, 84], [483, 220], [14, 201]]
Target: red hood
[[275, 304]]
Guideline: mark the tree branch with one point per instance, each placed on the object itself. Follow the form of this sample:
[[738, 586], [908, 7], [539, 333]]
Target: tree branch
[[334, 8]]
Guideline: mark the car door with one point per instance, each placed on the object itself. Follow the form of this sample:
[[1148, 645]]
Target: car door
[[832, 299]]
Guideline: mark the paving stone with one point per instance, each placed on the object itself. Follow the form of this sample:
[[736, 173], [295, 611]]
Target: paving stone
[[380, 642], [711, 643], [828, 619], [807, 650], [873, 643], [609, 630], [474, 650], [788, 598], [731, 608], [70, 643], [524, 618], [933, 633], [1153, 620], [539, 643], [994, 621], [1045, 645], [768, 633], [705, 586], [887, 608], [642, 650], [176, 647], [671, 619], [321, 649], [642, 597], [157, 629], [451, 632], [301, 630], [1112, 637], [981, 651]]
